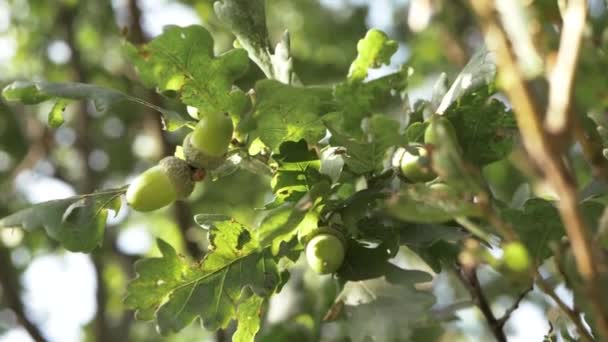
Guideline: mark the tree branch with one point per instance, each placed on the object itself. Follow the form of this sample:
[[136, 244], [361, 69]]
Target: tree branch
[[505, 317], [559, 117], [468, 276], [546, 152], [12, 295]]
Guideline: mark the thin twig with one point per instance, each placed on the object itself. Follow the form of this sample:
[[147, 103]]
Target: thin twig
[[575, 316], [468, 276], [449, 310], [543, 152], [505, 317]]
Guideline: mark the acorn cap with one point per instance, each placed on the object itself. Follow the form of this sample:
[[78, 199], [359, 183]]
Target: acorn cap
[[198, 158], [179, 174]]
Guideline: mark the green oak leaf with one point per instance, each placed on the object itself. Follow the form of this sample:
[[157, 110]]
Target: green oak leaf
[[181, 60], [298, 170], [385, 308], [289, 113], [357, 100], [104, 99], [374, 50], [248, 316], [176, 292], [77, 223], [486, 128], [367, 154]]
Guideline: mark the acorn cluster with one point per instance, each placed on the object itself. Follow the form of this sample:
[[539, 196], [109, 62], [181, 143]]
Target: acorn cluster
[[205, 148]]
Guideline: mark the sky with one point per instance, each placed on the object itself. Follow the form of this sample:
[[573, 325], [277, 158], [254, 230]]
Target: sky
[[60, 289]]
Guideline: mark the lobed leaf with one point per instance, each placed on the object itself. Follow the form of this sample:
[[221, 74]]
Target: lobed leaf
[[181, 60], [289, 113], [175, 292]]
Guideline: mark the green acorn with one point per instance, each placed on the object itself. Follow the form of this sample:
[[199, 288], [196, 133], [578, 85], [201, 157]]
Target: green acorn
[[160, 185], [198, 158], [207, 145], [325, 250], [413, 167], [212, 134], [440, 130]]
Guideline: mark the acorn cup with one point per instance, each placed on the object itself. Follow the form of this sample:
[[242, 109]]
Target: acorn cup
[[161, 185]]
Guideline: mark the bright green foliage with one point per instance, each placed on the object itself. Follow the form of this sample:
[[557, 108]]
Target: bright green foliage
[[248, 316], [55, 119], [175, 292], [290, 113], [325, 253], [374, 50], [212, 134], [300, 143], [181, 60], [78, 223]]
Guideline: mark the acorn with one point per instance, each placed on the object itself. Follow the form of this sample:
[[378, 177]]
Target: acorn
[[207, 145], [413, 166], [161, 185], [198, 158], [325, 250]]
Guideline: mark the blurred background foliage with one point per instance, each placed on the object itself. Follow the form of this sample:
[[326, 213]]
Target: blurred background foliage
[[82, 40]]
